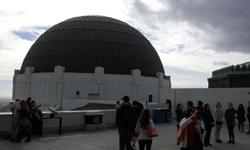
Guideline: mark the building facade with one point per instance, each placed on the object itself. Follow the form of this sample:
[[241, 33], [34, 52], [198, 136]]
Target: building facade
[[91, 58], [231, 77]]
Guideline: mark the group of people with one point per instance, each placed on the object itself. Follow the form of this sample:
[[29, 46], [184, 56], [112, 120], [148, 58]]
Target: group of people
[[197, 123], [26, 119], [132, 121]]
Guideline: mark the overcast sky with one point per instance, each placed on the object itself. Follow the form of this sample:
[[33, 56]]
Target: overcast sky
[[192, 37]]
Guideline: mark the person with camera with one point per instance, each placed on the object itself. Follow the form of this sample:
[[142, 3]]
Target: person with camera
[[193, 131], [36, 118], [209, 123], [15, 119], [23, 124]]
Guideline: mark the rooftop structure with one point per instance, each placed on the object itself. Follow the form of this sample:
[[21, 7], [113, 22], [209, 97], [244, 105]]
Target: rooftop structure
[[231, 77]]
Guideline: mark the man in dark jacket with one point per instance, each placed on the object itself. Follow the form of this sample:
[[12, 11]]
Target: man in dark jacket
[[200, 107], [189, 105], [126, 123]]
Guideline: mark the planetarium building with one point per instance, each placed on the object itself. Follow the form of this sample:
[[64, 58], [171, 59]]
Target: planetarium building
[[90, 58]]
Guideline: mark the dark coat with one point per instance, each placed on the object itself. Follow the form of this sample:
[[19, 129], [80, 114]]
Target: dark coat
[[230, 116], [241, 117], [207, 118], [178, 113], [183, 114], [126, 117], [138, 112]]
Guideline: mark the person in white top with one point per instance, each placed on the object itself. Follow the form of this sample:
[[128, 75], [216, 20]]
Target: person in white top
[[218, 114], [15, 119], [142, 122]]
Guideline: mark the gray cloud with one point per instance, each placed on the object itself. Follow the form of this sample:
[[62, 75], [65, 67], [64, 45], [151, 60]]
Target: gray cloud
[[221, 63], [30, 35], [225, 22]]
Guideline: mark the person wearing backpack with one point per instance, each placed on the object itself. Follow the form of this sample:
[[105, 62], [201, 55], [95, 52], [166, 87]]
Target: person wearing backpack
[[191, 131], [144, 121], [126, 123]]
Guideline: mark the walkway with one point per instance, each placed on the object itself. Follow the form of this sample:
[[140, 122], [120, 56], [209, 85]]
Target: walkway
[[109, 139]]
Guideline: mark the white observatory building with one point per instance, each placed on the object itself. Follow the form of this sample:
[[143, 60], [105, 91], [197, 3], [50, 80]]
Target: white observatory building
[[91, 59]]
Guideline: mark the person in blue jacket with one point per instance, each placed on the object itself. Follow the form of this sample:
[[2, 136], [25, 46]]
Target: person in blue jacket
[[230, 119]]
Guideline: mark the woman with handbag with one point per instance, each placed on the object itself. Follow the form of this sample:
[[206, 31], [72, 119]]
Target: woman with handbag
[[241, 118], [143, 125], [190, 131], [23, 124], [209, 123]]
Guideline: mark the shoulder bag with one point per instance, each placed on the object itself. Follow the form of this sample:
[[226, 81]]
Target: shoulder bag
[[181, 135], [150, 132]]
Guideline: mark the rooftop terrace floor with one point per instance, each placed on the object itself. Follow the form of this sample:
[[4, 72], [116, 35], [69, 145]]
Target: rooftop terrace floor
[[109, 140]]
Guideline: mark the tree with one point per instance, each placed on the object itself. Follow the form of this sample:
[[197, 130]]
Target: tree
[[237, 68], [244, 67]]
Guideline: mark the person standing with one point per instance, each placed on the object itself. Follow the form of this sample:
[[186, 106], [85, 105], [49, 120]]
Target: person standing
[[36, 119], [193, 134], [218, 114], [230, 119], [248, 116], [14, 107], [126, 123], [200, 106], [209, 123], [23, 125], [143, 121], [138, 113], [178, 111], [118, 105], [241, 118], [189, 105]]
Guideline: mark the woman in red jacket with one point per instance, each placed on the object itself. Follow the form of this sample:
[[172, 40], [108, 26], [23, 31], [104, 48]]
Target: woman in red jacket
[[192, 139]]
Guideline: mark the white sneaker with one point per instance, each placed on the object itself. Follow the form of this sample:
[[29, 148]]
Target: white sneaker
[[133, 146]]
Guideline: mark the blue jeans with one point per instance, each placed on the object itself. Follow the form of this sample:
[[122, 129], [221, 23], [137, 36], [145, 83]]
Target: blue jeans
[[125, 139], [14, 134]]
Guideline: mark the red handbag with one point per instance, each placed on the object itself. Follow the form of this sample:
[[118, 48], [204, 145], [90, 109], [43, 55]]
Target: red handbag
[[151, 133], [180, 135]]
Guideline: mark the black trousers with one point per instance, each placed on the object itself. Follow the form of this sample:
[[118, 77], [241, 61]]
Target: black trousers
[[208, 134], [240, 123], [143, 143], [37, 127], [231, 131], [125, 138], [21, 131]]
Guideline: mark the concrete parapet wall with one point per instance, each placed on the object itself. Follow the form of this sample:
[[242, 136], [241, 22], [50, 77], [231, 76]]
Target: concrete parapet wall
[[71, 120]]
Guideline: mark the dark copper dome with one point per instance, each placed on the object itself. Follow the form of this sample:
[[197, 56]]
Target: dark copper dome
[[82, 43]]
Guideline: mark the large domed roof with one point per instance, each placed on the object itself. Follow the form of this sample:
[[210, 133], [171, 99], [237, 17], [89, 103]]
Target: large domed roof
[[82, 43]]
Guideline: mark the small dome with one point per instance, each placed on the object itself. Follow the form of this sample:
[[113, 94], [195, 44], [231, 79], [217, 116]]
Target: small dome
[[82, 43]]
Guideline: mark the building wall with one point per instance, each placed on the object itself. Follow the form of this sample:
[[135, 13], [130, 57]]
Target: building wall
[[51, 88], [211, 96]]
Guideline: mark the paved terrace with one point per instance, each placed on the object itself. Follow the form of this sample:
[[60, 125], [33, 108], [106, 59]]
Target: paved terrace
[[108, 140]]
